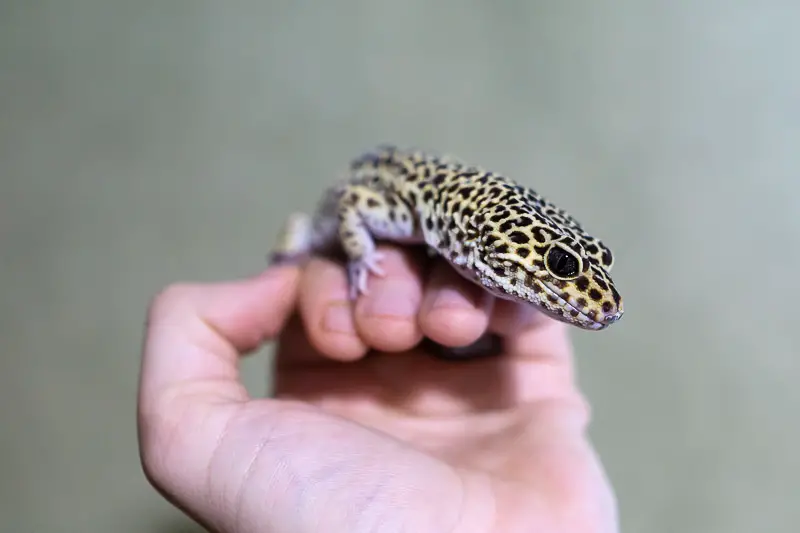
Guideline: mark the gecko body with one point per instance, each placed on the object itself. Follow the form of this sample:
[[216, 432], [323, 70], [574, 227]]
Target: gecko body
[[498, 234]]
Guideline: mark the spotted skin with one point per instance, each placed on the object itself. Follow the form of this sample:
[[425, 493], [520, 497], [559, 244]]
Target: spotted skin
[[494, 232]]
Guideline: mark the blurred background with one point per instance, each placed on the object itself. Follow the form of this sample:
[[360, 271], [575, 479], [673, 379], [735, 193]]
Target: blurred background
[[147, 142]]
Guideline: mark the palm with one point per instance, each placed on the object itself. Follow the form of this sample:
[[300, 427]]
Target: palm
[[406, 395], [478, 417]]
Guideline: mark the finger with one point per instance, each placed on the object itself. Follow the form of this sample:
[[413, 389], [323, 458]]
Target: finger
[[386, 317], [530, 334], [537, 352], [455, 312], [558, 458], [327, 311], [512, 318], [196, 332]]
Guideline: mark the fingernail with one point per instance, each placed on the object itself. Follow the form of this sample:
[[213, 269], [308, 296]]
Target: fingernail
[[392, 299], [338, 318]]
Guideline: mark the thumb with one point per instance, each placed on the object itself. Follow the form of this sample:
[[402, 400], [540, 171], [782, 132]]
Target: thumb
[[195, 333], [189, 377]]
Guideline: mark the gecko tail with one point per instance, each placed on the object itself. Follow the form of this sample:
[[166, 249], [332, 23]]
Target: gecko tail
[[295, 241]]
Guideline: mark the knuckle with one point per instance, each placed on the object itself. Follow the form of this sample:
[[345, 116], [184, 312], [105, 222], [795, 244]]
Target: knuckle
[[167, 298]]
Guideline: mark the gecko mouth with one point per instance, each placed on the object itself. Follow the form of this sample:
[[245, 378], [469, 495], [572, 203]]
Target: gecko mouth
[[588, 322]]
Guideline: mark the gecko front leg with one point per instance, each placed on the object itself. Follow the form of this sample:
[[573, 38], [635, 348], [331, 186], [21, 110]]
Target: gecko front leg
[[365, 215]]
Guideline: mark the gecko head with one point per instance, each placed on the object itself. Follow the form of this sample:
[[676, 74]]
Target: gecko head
[[566, 276]]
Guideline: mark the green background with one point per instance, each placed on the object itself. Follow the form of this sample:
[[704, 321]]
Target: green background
[[153, 141]]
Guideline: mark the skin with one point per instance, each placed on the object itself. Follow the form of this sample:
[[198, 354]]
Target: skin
[[395, 441]]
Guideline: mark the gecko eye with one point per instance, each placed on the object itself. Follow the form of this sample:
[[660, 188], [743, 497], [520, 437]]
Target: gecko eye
[[562, 263]]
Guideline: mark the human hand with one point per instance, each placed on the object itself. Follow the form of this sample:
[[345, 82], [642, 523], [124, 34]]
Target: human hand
[[367, 431]]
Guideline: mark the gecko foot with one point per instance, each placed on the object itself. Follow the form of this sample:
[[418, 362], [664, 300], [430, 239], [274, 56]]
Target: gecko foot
[[360, 269]]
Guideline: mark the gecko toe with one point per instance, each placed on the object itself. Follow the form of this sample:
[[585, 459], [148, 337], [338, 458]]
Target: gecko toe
[[373, 264], [359, 271]]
